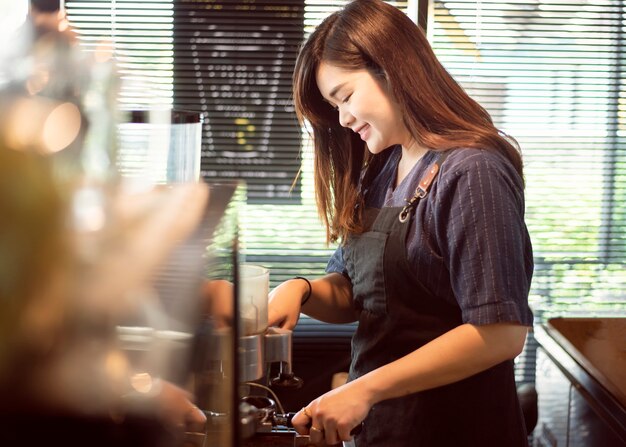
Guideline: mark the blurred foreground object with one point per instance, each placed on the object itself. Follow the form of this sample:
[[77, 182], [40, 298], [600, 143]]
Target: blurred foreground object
[[100, 285], [59, 100]]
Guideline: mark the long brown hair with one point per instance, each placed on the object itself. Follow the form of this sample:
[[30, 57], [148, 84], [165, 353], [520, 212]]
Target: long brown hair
[[439, 114]]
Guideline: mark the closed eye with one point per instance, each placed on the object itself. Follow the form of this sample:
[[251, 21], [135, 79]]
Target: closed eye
[[343, 101]]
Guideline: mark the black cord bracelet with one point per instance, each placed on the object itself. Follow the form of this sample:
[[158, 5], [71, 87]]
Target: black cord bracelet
[[308, 295]]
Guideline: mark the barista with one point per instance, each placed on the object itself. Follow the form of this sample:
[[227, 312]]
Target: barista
[[426, 198]]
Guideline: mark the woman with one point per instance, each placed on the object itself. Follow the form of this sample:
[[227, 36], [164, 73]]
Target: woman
[[438, 276]]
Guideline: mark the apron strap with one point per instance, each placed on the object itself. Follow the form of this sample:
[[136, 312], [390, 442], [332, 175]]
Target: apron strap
[[422, 188]]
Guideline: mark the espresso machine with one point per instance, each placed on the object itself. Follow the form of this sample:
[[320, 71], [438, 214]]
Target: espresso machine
[[242, 346], [232, 360]]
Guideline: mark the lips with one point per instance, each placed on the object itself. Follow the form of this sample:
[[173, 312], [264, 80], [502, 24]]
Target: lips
[[363, 131]]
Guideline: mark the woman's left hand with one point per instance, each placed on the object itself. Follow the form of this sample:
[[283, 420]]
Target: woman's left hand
[[177, 411], [168, 403], [332, 416]]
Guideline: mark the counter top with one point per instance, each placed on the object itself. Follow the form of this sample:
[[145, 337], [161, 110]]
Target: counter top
[[590, 354], [598, 345]]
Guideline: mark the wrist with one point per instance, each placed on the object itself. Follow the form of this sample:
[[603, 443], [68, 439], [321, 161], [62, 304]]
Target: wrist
[[367, 390], [308, 291], [373, 387]]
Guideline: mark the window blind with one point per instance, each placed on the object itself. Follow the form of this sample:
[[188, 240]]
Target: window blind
[[551, 75], [153, 42], [290, 239], [141, 36]]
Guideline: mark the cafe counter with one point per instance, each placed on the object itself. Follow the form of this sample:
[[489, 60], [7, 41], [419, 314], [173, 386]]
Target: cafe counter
[[581, 382]]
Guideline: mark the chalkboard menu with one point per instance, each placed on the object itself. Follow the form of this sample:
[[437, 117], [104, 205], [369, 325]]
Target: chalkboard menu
[[233, 62]]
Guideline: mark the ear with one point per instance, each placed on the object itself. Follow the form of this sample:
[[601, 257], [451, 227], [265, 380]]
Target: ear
[[385, 81], [379, 74]]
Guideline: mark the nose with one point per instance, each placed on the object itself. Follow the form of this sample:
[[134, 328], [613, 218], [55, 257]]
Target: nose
[[345, 118]]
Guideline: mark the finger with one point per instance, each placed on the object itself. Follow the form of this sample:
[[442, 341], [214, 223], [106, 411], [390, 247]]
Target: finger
[[330, 434], [195, 419], [301, 422], [316, 434], [346, 432], [331, 437]]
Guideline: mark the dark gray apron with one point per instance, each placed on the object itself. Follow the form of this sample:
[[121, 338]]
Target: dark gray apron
[[398, 315]]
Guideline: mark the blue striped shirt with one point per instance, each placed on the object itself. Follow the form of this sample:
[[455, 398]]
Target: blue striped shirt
[[468, 242]]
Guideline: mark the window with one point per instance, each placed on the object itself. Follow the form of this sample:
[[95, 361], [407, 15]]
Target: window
[[550, 74], [142, 35], [165, 51]]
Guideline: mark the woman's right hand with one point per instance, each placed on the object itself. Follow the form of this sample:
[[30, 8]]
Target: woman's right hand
[[284, 303]]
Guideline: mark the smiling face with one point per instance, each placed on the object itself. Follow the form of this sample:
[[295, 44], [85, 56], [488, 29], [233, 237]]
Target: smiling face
[[364, 105]]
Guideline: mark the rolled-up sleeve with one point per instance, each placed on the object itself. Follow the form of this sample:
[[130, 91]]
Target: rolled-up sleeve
[[335, 263], [485, 241]]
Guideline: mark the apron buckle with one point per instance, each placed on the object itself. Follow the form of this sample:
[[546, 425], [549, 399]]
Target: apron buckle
[[404, 214]]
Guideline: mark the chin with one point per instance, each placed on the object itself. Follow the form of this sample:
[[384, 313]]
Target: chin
[[377, 149]]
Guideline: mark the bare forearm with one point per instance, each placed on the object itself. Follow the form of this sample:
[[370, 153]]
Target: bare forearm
[[456, 355], [331, 300]]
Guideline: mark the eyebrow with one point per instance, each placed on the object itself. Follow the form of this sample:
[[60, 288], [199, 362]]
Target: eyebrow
[[334, 91]]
